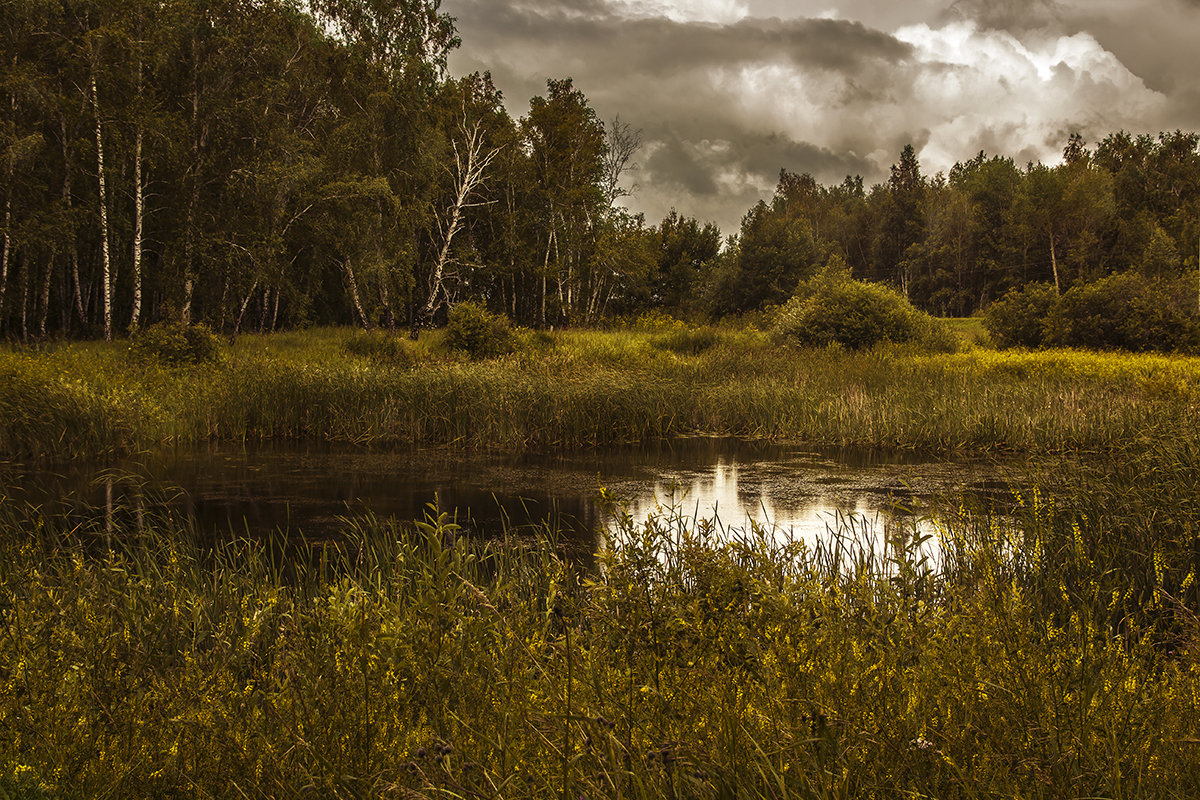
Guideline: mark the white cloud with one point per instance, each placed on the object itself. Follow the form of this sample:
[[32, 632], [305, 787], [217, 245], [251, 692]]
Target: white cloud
[[974, 89], [960, 91], [716, 11], [724, 106]]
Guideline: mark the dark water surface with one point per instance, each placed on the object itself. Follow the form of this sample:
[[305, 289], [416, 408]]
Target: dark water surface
[[231, 490]]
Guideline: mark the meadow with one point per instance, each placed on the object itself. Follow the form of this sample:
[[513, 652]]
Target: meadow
[[573, 389], [1052, 658], [1051, 653]]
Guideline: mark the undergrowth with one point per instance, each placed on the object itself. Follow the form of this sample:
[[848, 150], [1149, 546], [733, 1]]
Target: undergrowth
[[586, 388], [687, 662]]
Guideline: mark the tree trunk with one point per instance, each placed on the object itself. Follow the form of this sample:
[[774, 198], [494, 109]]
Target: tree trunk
[[1054, 265], [104, 254], [389, 318], [8, 190], [353, 286], [471, 166], [135, 317], [189, 241], [44, 311], [24, 295], [4, 255], [237, 325], [67, 204]]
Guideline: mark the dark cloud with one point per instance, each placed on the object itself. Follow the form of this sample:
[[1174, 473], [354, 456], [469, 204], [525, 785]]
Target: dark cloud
[[764, 156], [675, 163], [1007, 15], [723, 107], [607, 44], [698, 166]]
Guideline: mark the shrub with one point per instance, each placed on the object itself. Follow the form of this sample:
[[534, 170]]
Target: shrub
[[176, 343], [383, 347], [832, 309], [478, 332], [1018, 319], [1127, 311]]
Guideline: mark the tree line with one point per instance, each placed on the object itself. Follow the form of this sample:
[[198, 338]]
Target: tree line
[[268, 164], [955, 243], [263, 164]]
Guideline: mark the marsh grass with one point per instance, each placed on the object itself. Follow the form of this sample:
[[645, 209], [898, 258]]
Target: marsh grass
[[969, 330], [585, 388], [408, 661]]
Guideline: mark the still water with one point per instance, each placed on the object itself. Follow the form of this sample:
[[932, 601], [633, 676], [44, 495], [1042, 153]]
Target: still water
[[800, 491]]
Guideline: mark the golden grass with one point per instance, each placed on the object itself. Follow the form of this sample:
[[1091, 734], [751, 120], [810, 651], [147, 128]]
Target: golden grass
[[586, 388]]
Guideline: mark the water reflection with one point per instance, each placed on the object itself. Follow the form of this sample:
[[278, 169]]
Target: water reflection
[[810, 496], [237, 491], [736, 496]]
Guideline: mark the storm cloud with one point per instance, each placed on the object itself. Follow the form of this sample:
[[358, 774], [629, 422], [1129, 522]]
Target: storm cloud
[[728, 92]]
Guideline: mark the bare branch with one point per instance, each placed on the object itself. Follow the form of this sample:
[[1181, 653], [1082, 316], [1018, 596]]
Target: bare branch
[[471, 164], [621, 143]]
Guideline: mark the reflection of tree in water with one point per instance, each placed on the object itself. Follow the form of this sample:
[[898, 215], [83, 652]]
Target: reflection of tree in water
[[227, 491], [807, 497]]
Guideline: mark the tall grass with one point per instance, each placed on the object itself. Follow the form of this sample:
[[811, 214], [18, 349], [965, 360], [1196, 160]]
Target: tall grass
[[587, 388], [407, 661]]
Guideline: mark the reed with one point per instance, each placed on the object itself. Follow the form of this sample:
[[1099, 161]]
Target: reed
[[404, 660], [584, 388]]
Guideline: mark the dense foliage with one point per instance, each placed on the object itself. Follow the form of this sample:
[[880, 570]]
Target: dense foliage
[[833, 309], [478, 332], [1018, 319], [174, 343], [1123, 311], [954, 243], [267, 165]]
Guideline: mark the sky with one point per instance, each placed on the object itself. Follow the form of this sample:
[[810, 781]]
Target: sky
[[728, 92]]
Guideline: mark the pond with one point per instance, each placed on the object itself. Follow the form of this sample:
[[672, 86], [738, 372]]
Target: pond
[[228, 490]]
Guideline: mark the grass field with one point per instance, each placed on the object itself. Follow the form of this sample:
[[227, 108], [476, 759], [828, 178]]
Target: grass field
[[1053, 653], [584, 388], [1057, 657]]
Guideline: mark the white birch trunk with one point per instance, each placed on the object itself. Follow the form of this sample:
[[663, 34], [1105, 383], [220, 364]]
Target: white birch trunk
[[353, 284], [138, 202], [1054, 265], [104, 254], [471, 165], [44, 310]]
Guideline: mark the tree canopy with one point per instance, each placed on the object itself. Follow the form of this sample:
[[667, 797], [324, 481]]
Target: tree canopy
[[265, 165]]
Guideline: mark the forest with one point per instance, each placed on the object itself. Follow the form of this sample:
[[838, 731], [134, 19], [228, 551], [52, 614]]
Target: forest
[[451, 298], [268, 165]]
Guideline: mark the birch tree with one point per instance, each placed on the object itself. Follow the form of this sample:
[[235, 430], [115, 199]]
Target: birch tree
[[472, 160]]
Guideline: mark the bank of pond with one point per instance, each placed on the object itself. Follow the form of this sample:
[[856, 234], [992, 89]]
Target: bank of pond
[[573, 389], [304, 570]]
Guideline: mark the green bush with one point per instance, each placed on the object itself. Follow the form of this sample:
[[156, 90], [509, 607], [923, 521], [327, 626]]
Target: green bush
[[834, 310], [1123, 311], [383, 347], [1018, 319], [176, 343], [478, 332], [1127, 311]]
